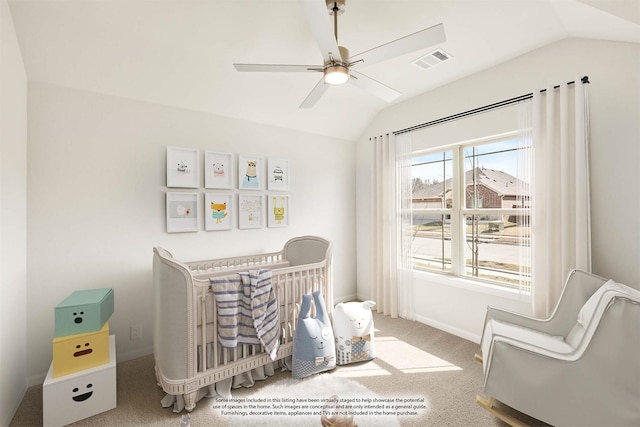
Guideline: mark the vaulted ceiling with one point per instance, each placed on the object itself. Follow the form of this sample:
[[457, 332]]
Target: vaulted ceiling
[[180, 52]]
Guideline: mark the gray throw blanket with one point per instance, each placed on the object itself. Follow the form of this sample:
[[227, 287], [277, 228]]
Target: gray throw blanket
[[247, 310]]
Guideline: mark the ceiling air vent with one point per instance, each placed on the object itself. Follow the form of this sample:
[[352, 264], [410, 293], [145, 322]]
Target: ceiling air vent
[[432, 59]]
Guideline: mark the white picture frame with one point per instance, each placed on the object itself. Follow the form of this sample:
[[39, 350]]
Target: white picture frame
[[183, 167], [251, 172], [278, 210], [250, 211], [218, 170], [219, 211], [278, 174], [182, 212]]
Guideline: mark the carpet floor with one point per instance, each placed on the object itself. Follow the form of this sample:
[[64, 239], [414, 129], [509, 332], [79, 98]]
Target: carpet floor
[[414, 361]]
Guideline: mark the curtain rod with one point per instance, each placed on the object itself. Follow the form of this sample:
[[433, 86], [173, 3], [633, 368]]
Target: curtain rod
[[489, 107]]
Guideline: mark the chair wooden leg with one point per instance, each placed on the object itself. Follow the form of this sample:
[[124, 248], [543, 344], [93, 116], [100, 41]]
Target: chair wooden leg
[[497, 412]]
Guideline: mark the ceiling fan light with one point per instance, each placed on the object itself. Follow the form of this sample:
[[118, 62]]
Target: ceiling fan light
[[336, 75]]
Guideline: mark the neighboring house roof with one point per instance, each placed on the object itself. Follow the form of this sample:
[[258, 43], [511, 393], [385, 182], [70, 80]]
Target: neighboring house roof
[[500, 182], [431, 191]]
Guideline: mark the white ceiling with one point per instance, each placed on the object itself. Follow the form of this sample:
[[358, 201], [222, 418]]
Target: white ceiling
[[180, 52]]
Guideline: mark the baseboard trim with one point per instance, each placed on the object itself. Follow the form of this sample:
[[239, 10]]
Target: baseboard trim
[[134, 354], [7, 417], [449, 329], [36, 380], [347, 298]]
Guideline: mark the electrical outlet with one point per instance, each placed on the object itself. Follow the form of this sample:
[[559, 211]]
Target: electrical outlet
[[136, 332]]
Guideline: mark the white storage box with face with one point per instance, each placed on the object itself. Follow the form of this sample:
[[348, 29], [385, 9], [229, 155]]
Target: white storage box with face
[[69, 398]]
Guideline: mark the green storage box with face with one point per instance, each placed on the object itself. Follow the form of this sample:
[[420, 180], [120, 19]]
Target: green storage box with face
[[83, 311]]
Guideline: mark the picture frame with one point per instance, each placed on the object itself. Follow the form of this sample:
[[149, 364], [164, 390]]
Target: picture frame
[[219, 211], [183, 167], [278, 174], [250, 211], [278, 210], [182, 212], [251, 172], [218, 170]]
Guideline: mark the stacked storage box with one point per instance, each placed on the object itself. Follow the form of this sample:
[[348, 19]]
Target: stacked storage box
[[81, 381]]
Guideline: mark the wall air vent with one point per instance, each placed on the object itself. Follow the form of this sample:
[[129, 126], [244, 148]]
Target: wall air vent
[[432, 59]]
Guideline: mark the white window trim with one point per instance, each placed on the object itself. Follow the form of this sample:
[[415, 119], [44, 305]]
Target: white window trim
[[475, 285], [457, 276]]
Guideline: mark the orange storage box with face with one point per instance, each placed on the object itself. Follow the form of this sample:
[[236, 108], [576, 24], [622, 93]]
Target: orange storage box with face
[[74, 353]]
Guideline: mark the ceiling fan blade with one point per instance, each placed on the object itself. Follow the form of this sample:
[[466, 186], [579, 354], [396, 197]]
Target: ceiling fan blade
[[373, 86], [419, 40], [316, 14], [315, 94], [277, 67]]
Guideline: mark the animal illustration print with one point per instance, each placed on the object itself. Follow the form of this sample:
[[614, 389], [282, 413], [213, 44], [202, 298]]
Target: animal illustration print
[[218, 211]]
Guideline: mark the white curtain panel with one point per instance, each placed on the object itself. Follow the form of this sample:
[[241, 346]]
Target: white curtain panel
[[391, 211], [524, 171], [404, 225], [385, 284], [561, 207]]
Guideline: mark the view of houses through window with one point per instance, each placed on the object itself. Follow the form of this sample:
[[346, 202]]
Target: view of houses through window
[[471, 210]]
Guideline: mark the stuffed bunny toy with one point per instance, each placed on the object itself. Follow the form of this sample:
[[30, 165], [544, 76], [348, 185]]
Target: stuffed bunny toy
[[313, 344], [353, 329]]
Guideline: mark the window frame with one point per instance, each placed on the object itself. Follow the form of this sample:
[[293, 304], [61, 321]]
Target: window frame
[[458, 212]]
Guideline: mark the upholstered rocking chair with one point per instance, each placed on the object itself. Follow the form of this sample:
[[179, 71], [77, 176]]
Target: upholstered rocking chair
[[579, 367]]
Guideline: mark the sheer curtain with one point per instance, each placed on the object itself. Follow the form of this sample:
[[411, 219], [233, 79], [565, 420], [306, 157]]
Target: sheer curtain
[[524, 171], [404, 225], [561, 206], [391, 288]]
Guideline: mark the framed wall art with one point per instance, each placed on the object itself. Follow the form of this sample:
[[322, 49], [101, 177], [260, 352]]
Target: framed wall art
[[251, 172], [182, 212], [278, 174], [250, 211], [218, 211], [278, 210], [218, 170], [183, 167]]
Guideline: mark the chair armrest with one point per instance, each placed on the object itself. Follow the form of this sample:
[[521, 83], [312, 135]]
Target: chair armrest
[[579, 286], [542, 325]]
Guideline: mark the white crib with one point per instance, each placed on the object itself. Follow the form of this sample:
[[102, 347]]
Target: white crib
[[186, 313]]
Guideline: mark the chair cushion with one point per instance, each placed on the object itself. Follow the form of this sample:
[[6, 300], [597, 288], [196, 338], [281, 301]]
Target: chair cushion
[[527, 337]]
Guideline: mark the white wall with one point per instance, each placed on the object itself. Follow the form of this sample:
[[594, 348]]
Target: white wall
[[13, 219], [613, 69], [97, 203]]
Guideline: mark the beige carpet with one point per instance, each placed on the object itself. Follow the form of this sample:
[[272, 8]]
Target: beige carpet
[[414, 360], [293, 402]]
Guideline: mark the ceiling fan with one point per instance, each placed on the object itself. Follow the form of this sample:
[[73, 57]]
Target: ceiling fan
[[337, 65]]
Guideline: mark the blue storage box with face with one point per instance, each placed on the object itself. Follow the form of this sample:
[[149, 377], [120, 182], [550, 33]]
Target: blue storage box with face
[[83, 311]]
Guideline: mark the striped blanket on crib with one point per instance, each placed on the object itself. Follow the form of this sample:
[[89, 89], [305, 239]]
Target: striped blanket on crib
[[247, 310]]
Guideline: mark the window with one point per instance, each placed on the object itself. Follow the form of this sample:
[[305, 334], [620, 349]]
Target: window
[[470, 211]]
